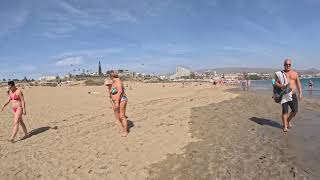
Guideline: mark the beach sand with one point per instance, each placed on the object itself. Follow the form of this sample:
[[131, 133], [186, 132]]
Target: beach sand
[[242, 138], [74, 134]]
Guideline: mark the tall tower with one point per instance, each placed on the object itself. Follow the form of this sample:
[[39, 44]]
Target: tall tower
[[99, 69]]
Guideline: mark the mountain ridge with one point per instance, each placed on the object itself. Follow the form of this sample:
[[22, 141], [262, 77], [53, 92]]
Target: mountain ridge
[[254, 70]]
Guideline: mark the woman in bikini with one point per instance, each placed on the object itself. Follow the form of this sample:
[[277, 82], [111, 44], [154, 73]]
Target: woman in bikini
[[119, 102], [18, 107]]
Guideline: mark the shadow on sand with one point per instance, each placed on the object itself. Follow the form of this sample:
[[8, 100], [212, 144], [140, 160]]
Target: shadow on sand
[[37, 131], [130, 125], [266, 122]]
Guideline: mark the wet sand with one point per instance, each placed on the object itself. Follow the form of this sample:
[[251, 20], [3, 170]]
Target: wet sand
[[242, 139]]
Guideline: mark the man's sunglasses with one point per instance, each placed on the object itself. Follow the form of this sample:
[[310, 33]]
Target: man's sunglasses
[[287, 64]]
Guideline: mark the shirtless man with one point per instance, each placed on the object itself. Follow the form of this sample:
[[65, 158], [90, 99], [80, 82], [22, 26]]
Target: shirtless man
[[295, 85]]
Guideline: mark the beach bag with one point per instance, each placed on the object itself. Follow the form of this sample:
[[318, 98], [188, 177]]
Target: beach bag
[[278, 92], [277, 95]]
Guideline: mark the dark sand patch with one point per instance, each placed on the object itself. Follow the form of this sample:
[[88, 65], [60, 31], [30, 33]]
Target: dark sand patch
[[241, 139]]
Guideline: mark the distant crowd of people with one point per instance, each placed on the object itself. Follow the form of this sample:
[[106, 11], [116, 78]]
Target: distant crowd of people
[[245, 85]]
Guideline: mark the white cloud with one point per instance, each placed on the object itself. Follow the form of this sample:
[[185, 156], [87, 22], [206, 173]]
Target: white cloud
[[55, 15], [68, 61], [71, 9], [60, 18]]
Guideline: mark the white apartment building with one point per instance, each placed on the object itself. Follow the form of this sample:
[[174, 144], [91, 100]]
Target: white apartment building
[[181, 72]]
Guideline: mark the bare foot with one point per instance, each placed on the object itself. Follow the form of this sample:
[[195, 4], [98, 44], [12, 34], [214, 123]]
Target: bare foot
[[11, 140], [285, 129], [124, 133], [120, 130], [290, 125]]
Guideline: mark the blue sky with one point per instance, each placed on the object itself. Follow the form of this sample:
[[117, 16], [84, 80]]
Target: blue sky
[[45, 37]]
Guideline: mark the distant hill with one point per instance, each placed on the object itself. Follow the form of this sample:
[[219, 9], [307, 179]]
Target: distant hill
[[240, 70], [257, 70], [310, 71]]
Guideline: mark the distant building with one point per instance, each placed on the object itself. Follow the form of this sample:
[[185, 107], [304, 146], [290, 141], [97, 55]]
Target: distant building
[[210, 73], [266, 75], [231, 76], [163, 77], [47, 78], [126, 73], [215, 74], [180, 73], [66, 76], [253, 74]]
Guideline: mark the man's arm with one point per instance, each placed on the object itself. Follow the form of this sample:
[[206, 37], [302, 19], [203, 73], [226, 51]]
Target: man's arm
[[299, 87]]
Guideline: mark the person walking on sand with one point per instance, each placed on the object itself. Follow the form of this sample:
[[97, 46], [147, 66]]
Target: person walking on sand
[[18, 107], [290, 79], [119, 102]]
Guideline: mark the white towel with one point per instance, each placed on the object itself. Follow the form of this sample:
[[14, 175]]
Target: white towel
[[283, 80]]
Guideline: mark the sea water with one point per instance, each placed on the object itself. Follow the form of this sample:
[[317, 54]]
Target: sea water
[[266, 85]]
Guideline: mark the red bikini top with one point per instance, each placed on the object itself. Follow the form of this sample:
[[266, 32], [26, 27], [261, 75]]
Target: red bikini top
[[14, 97]]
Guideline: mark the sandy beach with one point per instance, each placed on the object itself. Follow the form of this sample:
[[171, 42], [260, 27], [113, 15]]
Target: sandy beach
[[191, 132], [74, 135]]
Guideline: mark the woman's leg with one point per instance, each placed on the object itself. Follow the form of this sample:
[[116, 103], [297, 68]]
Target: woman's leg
[[16, 121], [24, 128], [124, 121], [117, 115]]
